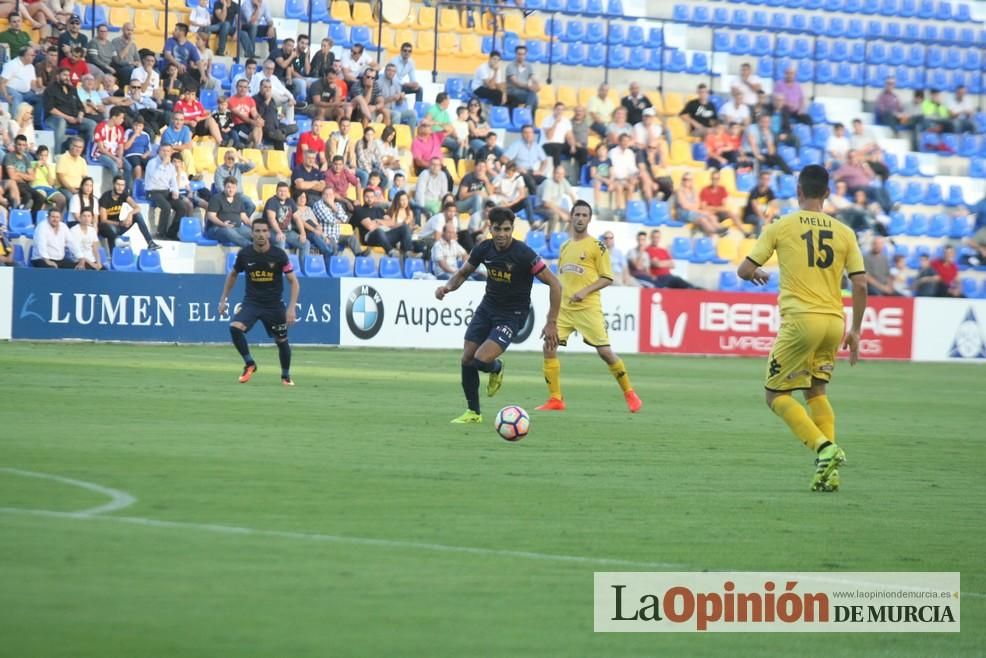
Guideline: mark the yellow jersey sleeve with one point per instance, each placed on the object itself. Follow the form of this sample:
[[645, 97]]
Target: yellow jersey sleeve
[[604, 266], [766, 243]]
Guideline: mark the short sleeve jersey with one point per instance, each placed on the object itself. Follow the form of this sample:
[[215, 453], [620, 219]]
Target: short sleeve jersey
[[581, 263], [510, 273], [813, 250], [264, 274]]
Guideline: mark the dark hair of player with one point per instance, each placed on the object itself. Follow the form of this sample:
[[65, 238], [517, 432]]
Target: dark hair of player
[[582, 204], [814, 181], [501, 216]]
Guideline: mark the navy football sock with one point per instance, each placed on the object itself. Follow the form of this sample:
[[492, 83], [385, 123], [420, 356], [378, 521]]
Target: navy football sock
[[240, 343], [470, 386], [496, 366], [284, 353]]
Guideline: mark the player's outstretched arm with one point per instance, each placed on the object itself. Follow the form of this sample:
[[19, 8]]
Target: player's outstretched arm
[[550, 331], [858, 309], [457, 279], [227, 288], [290, 314]]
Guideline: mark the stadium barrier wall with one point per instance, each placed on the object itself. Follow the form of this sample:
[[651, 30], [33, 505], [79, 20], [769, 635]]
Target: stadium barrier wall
[[738, 324], [6, 294], [171, 308], [949, 330], [397, 313]]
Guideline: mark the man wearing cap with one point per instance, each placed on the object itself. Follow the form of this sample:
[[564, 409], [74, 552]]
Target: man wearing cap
[[72, 37]]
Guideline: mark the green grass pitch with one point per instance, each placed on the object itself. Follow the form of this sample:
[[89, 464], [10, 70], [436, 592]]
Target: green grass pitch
[[369, 526]]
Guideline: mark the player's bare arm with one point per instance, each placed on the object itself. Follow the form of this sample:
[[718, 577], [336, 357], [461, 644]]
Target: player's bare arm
[[750, 271], [550, 331], [457, 279], [227, 288], [858, 308], [598, 284], [291, 312]]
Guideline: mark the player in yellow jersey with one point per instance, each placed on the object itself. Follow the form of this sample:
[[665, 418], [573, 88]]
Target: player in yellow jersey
[[813, 250], [584, 269]]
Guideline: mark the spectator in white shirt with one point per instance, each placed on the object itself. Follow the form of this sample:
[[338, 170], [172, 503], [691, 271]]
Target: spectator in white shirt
[[624, 171], [50, 242], [557, 196], [19, 82], [84, 243], [355, 62], [836, 147], [961, 108], [649, 131], [447, 253], [556, 134], [750, 85], [406, 74], [735, 110], [431, 232]]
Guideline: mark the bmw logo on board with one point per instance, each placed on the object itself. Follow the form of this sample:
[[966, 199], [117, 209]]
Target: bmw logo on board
[[364, 312]]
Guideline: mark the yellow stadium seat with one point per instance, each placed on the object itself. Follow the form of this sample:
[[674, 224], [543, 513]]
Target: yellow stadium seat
[[448, 20], [681, 153], [120, 15], [346, 230], [403, 36], [674, 103], [452, 169], [727, 178], [205, 157], [702, 177], [425, 19], [340, 12], [356, 131], [425, 42], [407, 166], [745, 247], [586, 94], [534, 28], [568, 96], [465, 166], [221, 153], [546, 96], [256, 156], [593, 142], [250, 189], [363, 14], [655, 98], [145, 22], [448, 42], [268, 190], [378, 128], [542, 113], [277, 163], [328, 127], [727, 249], [404, 136], [679, 131], [470, 45], [513, 22]]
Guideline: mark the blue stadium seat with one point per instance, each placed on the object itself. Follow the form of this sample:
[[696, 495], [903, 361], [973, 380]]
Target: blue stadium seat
[[938, 226], [149, 261], [973, 60], [655, 37], [620, 57], [366, 267], [816, 24], [500, 117], [787, 186], [959, 227], [761, 45], [390, 268], [413, 266], [296, 9], [320, 12], [574, 55], [20, 223], [617, 34], [594, 8], [677, 61], [918, 226], [314, 266], [878, 53], [932, 195], [836, 28], [935, 57], [728, 281], [741, 45], [554, 244], [798, 23], [91, 20], [296, 264], [635, 36], [778, 22], [955, 196], [574, 31], [943, 12], [888, 8], [700, 15], [596, 56], [967, 145], [575, 6], [594, 33], [20, 257], [970, 288], [720, 16], [230, 260], [521, 117], [339, 34], [210, 99], [857, 52], [898, 224], [340, 266], [636, 211], [699, 64], [962, 13], [765, 68], [657, 213], [913, 194], [894, 190], [537, 241], [893, 166], [613, 7], [839, 51], [123, 259], [892, 32], [967, 37], [874, 30], [746, 181], [705, 252], [852, 6], [911, 166], [759, 20], [805, 71], [977, 168], [681, 249], [721, 42]]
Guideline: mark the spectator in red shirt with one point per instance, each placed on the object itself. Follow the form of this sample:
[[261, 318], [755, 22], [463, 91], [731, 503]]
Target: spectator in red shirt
[[661, 264], [196, 116], [713, 199], [76, 64], [948, 274], [246, 121], [341, 180], [107, 145], [426, 145], [311, 141]]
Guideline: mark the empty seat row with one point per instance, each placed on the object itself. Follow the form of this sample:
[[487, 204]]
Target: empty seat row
[[914, 193], [922, 9], [937, 226]]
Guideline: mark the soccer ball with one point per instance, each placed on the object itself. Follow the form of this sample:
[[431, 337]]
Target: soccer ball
[[512, 423]]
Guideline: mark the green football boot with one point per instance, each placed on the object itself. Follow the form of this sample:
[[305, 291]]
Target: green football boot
[[468, 418], [826, 469], [496, 381]]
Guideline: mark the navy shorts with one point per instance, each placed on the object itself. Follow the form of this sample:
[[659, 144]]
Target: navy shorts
[[499, 326], [274, 318]]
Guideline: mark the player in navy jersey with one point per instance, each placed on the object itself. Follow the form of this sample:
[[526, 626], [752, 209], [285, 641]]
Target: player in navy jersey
[[266, 266], [510, 267]]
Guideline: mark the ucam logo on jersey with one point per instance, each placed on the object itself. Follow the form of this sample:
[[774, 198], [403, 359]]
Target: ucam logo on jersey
[[949, 330], [53, 304], [738, 324]]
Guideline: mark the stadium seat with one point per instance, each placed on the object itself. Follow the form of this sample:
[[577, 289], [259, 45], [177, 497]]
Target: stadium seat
[[955, 196], [746, 181], [938, 226], [932, 195], [918, 227], [575, 31], [500, 117], [123, 259], [681, 248], [537, 241], [230, 261], [554, 244], [728, 281], [149, 261], [314, 266], [20, 223], [340, 266], [296, 9], [912, 195], [412, 266], [970, 288], [977, 168], [296, 264], [390, 268], [911, 165], [898, 224], [634, 36], [520, 117], [705, 252], [786, 186], [20, 257], [636, 211], [595, 33]]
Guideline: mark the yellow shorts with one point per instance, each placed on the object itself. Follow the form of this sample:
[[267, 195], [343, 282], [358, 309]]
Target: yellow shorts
[[805, 348], [588, 322]]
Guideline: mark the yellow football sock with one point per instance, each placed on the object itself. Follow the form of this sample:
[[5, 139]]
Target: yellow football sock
[[552, 376], [797, 419], [619, 371], [823, 415]]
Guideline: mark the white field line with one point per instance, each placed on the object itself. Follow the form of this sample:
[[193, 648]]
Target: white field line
[[121, 499]]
